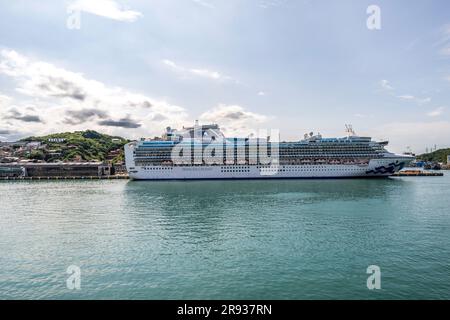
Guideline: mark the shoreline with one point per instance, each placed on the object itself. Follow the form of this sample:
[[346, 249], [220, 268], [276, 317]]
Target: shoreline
[[121, 177]]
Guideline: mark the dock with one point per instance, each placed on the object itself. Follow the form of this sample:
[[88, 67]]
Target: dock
[[418, 173], [61, 171], [115, 177]]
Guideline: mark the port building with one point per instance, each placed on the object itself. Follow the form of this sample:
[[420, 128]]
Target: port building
[[75, 169]]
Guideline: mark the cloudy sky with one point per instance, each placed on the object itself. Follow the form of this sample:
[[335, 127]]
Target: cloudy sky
[[134, 67]]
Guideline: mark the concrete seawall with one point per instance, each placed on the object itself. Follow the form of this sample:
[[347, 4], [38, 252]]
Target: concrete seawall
[[61, 171]]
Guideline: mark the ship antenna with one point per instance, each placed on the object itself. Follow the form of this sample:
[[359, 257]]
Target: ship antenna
[[349, 130]]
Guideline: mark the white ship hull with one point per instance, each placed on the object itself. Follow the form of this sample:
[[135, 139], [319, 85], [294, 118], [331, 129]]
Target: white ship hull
[[376, 168]]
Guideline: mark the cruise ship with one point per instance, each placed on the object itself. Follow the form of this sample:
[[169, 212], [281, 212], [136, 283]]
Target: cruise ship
[[204, 152]]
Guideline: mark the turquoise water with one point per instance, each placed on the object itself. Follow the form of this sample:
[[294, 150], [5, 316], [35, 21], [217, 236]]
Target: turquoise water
[[288, 239]]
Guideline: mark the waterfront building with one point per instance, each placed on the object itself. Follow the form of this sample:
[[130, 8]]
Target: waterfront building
[[56, 140], [34, 145], [71, 169]]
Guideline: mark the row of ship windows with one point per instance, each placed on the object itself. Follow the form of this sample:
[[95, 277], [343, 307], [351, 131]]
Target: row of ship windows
[[255, 155], [256, 150], [339, 151], [150, 162], [261, 149], [296, 170], [340, 169], [247, 169], [353, 146]]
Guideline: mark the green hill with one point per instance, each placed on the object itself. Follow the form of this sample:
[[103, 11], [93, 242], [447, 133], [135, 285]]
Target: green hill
[[436, 156], [86, 145]]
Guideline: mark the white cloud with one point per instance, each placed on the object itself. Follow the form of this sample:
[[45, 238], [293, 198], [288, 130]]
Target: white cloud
[[445, 51], [386, 85], [4, 101], [415, 99], [204, 4], [266, 4], [437, 112], [53, 99], [415, 134], [171, 64], [234, 119], [261, 93], [423, 100], [406, 97], [200, 72], [67, 100], [362, 115], [444, 42], [105, 8], [207, 73]]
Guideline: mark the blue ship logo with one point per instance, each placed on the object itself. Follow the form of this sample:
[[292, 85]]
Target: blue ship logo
[[390, 168]]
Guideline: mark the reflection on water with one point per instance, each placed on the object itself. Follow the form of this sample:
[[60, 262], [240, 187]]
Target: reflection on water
[[197, 203], [204, 195], [324, 188]]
